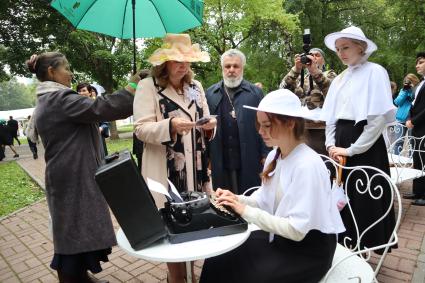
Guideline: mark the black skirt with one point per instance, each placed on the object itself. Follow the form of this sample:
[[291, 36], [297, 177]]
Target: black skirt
[[281, 261], [80, 263], [366, 209]]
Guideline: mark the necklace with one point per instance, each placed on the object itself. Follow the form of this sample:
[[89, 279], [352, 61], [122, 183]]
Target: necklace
[[178, 89], [233, 112]]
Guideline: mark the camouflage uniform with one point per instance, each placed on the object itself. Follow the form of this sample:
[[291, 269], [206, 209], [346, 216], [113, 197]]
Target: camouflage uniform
[[321, 83]]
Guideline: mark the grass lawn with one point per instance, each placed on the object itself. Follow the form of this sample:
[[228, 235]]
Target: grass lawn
[[125, 129], [118, 145], [17, 189], [23, 140]]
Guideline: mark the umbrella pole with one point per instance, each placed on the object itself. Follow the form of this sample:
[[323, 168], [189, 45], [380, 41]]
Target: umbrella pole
[[133, 4]]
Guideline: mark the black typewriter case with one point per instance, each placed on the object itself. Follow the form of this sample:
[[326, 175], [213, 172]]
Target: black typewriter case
[[132, 204]]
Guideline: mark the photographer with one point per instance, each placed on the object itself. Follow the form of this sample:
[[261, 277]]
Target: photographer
[[313, 97], [404, 102], [405, 98]]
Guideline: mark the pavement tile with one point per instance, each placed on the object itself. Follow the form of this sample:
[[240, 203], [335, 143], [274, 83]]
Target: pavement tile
[[387, 279], [37, 276], [396, 274], [7, 273], [20, 267], [32, 271], [148, 278], [122, 275], [12, 279], [391, 262], [407, 266], [49, 278], [158, 273], [414, 245]]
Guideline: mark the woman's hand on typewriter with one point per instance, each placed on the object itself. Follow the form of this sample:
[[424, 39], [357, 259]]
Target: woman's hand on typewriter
[[227, 198], [222, 192]]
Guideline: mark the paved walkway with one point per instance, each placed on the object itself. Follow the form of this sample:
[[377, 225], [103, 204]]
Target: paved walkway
[[26, 247]]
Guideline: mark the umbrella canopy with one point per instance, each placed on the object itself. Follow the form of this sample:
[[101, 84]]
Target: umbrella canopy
[[127, 19]]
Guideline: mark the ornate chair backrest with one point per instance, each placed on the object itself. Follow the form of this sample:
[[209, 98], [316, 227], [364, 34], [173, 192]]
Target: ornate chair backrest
[[392, 132], [364, 178], [407, 148]]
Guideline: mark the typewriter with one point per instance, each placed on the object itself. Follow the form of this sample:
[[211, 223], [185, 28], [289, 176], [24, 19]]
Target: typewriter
[[195, 216]]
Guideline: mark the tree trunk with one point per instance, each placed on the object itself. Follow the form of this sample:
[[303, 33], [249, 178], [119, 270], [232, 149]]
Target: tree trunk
[[114, 131], [105, 79]]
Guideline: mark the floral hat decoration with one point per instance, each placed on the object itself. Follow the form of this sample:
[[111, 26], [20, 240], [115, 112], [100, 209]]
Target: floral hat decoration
[[178, 47]]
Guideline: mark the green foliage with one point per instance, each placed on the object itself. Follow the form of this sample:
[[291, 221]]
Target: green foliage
[[14, 95], [32, 26], [259, 28], [268, 32], [17, 189], [394, 25]]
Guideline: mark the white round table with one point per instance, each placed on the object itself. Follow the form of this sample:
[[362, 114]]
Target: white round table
[[164, 251]]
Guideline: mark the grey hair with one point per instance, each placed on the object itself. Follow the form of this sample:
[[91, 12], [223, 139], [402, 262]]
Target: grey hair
[[232, 53]]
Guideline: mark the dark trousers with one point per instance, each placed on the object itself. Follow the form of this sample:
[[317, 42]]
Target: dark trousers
[[316, 140], [16, 138], [231, 179], [33, 146], [418, 187], [2, 156]]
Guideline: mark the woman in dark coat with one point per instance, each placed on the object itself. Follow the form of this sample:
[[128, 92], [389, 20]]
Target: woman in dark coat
[[67, 124]]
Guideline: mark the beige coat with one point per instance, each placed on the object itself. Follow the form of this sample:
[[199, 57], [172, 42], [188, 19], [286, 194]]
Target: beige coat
[[153, 130]]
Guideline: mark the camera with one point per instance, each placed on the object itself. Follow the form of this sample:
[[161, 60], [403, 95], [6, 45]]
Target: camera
[[407, 85], [306, 47]]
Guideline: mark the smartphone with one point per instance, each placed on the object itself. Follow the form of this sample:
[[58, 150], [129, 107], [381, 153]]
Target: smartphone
[[203, 121]]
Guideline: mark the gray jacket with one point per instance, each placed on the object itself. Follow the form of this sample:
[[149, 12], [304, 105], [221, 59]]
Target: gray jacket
[[66, 124]]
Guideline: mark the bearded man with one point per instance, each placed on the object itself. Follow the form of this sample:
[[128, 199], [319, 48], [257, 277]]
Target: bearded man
[[237, 152]]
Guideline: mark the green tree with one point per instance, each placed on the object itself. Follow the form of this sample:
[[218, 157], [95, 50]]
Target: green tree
[[259, 28], [32, 26], [15, 95]]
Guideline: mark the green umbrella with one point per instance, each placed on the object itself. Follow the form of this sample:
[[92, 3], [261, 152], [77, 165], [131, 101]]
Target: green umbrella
[[132, 19]]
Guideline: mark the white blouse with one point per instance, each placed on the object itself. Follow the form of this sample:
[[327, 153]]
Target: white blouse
[[361, 92], [296, 199]]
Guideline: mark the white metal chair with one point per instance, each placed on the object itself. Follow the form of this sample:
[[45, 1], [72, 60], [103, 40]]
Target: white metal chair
[[392, 132], [402, 164], [351, 262]]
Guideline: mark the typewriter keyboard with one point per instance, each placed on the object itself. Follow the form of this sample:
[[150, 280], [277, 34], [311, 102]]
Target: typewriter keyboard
[[219, 208]]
